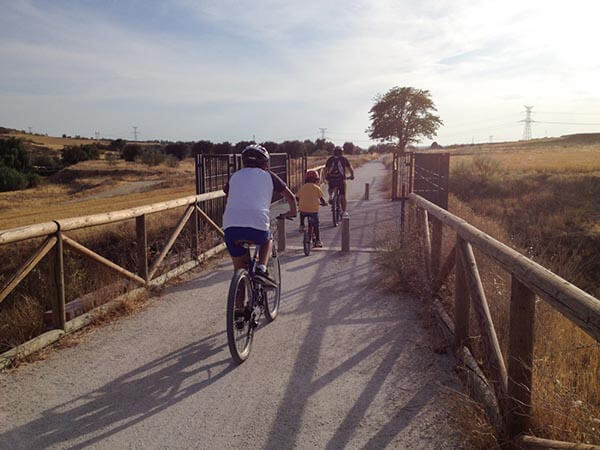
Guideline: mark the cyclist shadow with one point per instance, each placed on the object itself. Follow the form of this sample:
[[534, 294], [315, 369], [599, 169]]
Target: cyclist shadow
[[127, 400]]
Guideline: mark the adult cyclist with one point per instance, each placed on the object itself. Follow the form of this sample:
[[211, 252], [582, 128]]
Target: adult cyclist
[[335, 174], [246, 218]]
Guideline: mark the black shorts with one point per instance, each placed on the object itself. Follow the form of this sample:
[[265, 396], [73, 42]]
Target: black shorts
[[337, 183]]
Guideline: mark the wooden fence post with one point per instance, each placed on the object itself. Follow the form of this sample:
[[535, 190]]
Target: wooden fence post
[[346, 233], [423, 218], [142, 246], [366, 191], [436, 247], [58, 310], [193, 224], [281, 234], [461, 299], [520, 357]]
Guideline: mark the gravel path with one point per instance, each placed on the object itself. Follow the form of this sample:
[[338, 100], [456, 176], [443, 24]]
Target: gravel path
[[344, 365]]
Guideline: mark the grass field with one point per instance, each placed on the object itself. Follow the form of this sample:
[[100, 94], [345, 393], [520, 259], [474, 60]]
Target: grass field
[[52, 142], [544, 201]]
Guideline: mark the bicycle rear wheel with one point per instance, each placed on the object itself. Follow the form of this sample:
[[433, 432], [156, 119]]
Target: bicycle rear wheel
[[307, 241], [334, 207], [273, 296], [239, 328]]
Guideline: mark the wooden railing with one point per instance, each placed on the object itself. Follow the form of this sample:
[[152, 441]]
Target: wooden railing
[[512, 381], [56, 238]]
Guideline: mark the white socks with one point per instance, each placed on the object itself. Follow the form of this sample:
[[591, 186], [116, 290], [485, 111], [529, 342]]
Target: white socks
[[261, 267]]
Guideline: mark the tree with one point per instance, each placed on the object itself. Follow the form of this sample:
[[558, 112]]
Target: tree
[[240, 146], [202, 148], [13, 154], [131, 151], [223, 148], [177, 149], [404, 114], [349, 148]]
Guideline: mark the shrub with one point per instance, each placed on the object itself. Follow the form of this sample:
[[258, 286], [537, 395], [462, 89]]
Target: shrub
[[74, 154], [152, 156], [202, 148], [131, 151], [11, 179], [178, 150], [14, 155]]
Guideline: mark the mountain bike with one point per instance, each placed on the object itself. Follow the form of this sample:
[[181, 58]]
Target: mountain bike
[[310, 237], [257, 299], [336, 207]]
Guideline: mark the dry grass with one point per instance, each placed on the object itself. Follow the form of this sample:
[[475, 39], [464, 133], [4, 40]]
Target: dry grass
[[52, 142]]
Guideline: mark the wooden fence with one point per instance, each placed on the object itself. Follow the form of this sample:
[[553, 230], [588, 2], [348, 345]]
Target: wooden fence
[[57, 237], [512, 381]]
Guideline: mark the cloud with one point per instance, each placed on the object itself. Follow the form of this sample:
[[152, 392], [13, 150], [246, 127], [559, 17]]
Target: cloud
[[228, 68]]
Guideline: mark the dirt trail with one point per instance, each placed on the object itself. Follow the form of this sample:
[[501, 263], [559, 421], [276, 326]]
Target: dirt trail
[[344, 365]]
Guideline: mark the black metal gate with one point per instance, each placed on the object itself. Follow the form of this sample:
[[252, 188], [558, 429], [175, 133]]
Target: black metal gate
[[213, 171], [430, 176]]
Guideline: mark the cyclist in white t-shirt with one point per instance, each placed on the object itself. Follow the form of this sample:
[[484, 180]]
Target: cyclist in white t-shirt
[[246, 218]]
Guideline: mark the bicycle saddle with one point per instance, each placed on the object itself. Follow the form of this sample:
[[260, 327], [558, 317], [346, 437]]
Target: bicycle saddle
[[244, 243]]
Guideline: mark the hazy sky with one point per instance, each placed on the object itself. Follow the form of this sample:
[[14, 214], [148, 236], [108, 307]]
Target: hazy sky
[[231, 70]]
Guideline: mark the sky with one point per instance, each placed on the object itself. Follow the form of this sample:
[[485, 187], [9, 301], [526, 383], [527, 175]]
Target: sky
[[273, 70]]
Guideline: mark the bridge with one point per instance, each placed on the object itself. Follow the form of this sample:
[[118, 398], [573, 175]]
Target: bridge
[[347, 363]]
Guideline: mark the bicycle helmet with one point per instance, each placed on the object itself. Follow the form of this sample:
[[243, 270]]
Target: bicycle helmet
[[255, 156], [312, 176], [337, 151]]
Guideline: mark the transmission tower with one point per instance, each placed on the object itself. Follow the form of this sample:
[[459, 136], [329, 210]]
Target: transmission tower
[[97, 135], [29, 130], [323, 130], [135, 133], [528, 121]]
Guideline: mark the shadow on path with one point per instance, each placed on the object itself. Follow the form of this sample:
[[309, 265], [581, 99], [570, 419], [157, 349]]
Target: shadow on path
[[129, 399]]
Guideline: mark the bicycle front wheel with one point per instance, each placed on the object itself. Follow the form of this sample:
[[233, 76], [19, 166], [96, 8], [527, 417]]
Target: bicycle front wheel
[[239, 326], [273, 296]]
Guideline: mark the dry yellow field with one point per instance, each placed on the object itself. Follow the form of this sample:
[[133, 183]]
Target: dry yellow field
[[52, 142]]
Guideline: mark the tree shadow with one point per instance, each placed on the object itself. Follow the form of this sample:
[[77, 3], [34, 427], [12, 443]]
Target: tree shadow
[[127, 400]]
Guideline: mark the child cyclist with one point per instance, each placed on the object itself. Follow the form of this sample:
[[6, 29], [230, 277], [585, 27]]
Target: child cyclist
[[246, 218], [310, 197]]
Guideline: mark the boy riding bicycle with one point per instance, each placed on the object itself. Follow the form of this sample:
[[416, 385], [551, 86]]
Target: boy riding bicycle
[[246, 218], [310, 197]]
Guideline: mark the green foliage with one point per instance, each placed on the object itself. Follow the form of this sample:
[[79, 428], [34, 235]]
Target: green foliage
[[202, 148], [12, 180], [272, 147], [178, 150], [240, 146], [349, 148], [403, 114], [293, 148], [14, 155], [152, 156], [131, 151], [117, 144], [74, 154], [223, 148]]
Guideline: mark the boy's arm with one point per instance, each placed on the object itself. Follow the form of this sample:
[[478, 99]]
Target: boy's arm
[[289, 196]]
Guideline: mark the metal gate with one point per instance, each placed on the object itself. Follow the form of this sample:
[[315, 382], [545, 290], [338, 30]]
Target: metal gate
[[213, 171], [430, 176]]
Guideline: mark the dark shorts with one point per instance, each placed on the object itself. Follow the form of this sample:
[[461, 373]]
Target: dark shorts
[[313, 216], [337, 183], [233, 234]]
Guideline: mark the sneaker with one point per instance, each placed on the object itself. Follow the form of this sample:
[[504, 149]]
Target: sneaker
[[318, 244], [301, 229], [264, 278]]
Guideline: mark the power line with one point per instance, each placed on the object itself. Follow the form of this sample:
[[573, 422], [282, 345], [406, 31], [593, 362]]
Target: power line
[[569, 123]]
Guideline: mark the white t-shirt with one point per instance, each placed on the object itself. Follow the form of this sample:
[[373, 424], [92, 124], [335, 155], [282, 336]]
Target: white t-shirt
[[249, 194]]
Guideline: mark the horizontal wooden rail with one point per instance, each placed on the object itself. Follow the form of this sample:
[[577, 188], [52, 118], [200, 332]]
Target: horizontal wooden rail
[[75, 223], [575, 304]]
